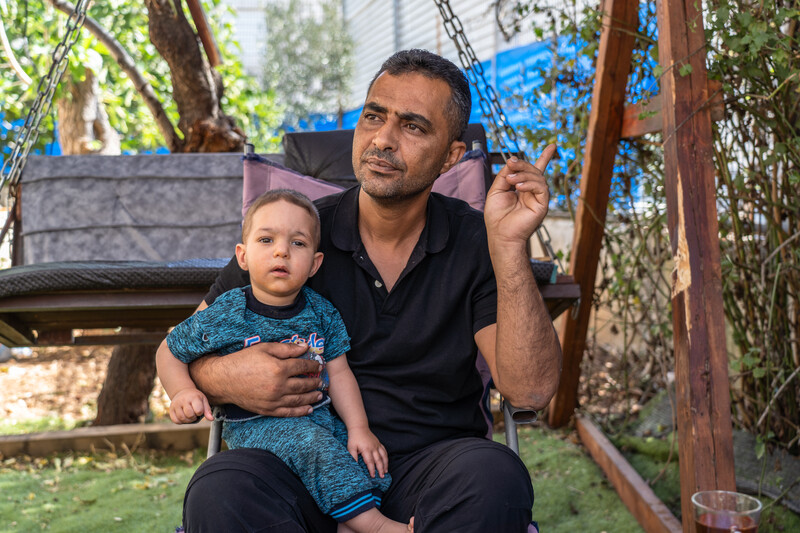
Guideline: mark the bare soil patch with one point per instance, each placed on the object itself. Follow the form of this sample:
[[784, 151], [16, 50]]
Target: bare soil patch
[[60, 382]]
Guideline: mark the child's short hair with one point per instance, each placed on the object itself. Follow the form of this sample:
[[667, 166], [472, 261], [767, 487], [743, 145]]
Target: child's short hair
[[293, 197]]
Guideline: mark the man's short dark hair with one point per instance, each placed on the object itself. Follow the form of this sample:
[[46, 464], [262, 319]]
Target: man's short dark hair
[[435, 67]]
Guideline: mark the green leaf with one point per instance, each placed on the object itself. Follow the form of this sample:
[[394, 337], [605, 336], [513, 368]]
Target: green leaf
[[685, 70], [761, 447]]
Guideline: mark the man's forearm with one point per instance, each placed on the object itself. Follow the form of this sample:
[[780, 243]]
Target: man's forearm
[[528, 353], [210, 374]]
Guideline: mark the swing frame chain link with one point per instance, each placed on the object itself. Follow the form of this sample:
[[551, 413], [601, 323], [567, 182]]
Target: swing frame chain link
[[28, 134], [490, 105]]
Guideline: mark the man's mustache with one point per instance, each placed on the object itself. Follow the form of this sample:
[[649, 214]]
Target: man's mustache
[[387, 157]]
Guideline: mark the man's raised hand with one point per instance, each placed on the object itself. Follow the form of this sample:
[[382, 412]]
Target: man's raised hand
[[518, 200]]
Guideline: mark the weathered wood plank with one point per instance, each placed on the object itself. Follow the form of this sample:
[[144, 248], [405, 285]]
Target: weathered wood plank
[[620, 21], [156, 436], [701, 361], [635, 493]]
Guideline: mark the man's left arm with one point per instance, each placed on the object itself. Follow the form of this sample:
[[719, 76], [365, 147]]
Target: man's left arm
[[522, 348]]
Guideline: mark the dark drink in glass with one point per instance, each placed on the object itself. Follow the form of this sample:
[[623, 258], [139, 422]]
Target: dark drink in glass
[[720, 511], [720, 523]]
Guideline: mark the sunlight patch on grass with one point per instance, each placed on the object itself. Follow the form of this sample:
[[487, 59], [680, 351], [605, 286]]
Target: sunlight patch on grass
[[37, 425]]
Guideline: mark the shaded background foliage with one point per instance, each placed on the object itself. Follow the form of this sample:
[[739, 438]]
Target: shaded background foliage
[[754, 50], [309, 61]]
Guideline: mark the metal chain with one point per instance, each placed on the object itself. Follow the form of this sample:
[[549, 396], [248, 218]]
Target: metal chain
[[490, 106], [29, 133], [489, 103]]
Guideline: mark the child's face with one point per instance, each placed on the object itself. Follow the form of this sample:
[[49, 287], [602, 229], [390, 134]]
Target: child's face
[[279, 252]]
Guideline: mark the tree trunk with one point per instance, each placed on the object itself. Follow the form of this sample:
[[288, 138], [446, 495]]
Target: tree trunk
[[197, 90], [128, 384], [83, 125], [196, 87]]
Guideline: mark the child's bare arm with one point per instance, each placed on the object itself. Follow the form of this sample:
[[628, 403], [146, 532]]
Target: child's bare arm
[[346, 398], [187, 401]]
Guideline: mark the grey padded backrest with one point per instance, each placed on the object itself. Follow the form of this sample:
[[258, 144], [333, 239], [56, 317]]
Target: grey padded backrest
[[134, 207]]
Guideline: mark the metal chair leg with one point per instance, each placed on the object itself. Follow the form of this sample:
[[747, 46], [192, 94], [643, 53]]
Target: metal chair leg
[[215, 435], [513, 416]]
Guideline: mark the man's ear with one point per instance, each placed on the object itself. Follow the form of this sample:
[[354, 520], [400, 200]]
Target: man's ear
[[454, 155], [241, 256], [316, 263]]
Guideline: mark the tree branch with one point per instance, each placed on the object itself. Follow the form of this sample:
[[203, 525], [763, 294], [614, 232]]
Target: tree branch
[[12, 59], [126, 63]]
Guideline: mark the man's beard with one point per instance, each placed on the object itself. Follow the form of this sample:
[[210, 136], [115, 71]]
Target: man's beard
[[397, 189]]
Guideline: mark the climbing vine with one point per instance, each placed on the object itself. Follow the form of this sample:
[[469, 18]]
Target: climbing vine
[[754, 51]]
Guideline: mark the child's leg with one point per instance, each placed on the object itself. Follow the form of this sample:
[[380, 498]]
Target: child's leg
[[306, 444]]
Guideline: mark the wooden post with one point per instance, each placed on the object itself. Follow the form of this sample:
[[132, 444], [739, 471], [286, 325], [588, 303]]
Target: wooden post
[[620, 22], [701, 361]]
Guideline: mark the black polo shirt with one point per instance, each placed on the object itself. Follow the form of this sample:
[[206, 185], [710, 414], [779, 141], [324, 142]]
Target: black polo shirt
[[412, 349]]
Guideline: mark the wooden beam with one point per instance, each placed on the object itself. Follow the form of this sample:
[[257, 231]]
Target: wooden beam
[[14, 333], [701, 359], [170, 437], [640, 119], [620, 22], [636, 494]]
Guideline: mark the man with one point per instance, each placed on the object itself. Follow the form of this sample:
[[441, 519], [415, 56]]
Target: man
[[422, 282]]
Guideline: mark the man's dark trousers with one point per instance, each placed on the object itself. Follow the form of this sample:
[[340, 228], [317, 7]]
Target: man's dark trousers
[[462, 485]]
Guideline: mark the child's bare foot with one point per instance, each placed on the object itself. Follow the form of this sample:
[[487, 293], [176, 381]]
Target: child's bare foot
[[373, 521]]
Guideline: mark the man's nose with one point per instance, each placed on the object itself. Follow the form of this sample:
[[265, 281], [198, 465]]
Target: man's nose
[[385, 138]]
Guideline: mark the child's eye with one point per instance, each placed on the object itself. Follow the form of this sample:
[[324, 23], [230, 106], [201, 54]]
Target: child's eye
[[298, 243], [265, 240]]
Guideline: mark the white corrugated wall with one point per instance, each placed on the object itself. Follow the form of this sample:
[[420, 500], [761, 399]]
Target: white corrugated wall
[[381, 27]]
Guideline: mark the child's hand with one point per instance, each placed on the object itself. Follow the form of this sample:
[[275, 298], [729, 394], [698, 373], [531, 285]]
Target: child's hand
[[361, 441], [189, 404]]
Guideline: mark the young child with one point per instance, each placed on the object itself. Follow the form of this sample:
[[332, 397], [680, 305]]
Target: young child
[[280, 237]]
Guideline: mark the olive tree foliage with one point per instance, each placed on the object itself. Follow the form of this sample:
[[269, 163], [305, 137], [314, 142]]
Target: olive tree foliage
[[308, 63], [35, 28], [753, 49]]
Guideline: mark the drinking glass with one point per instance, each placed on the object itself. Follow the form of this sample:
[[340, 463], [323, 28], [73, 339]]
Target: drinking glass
[[720, 511]]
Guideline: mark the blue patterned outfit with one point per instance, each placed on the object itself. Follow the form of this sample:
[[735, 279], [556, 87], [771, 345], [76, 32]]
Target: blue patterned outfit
[[313, 446]]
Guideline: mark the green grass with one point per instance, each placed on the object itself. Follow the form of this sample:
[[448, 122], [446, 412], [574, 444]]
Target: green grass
[[572, 494], [143, 491], [20, 427], [94, 492]]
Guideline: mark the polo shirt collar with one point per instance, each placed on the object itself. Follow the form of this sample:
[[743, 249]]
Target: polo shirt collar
[[344, 231]]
